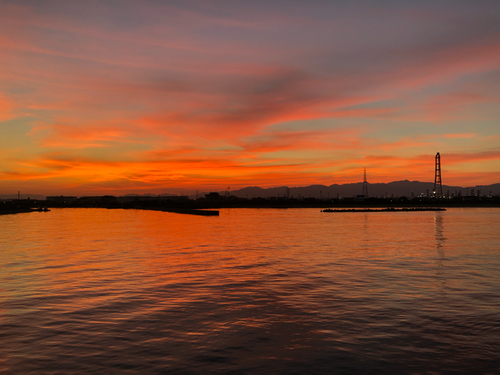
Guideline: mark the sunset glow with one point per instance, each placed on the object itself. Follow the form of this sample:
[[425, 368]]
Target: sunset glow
[[170, 97]]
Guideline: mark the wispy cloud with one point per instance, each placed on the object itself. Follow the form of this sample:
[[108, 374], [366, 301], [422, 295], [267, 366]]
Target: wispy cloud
[[156, 95]]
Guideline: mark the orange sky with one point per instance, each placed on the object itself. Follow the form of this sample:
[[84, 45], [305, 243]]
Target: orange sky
[[166, 97]]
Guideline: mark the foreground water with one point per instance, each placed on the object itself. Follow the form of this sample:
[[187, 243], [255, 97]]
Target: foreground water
[[251, 291]]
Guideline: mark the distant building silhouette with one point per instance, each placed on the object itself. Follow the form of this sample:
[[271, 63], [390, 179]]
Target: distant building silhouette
[[61, 199], [212, 196]]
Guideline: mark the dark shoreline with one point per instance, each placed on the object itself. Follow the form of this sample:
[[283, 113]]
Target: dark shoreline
[[207, 207], [20, 210]]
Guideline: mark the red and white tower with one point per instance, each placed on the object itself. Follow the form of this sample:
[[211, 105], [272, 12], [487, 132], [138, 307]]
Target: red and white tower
[[438, 187]]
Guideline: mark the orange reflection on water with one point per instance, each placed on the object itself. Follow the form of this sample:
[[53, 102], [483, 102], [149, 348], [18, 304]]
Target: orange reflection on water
[[299, 254]]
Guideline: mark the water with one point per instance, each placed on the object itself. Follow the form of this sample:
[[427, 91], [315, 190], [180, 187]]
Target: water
[[252, 291]]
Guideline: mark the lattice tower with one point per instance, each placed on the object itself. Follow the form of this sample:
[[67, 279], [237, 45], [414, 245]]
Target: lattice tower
[[438, 187], [365, 185]]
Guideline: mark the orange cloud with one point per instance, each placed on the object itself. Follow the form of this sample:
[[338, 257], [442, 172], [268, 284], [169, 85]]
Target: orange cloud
[[83, 136], [189, 173], [6, 108]]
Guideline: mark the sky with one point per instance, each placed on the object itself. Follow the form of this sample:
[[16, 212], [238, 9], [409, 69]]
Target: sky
[[150, 96]]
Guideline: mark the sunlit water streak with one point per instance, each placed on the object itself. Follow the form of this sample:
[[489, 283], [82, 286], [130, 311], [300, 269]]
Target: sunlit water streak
[[251, 291]]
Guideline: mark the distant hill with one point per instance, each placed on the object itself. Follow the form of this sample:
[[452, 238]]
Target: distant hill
[[397, 189]]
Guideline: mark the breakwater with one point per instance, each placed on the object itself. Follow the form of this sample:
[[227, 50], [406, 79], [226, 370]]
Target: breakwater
[[388, 209], [21, 210]]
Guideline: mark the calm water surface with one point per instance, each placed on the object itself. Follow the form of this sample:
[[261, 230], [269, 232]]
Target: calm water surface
[[252, 291]]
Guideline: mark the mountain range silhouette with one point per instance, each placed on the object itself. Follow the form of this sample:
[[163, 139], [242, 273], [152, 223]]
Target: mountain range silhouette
[[397, 189]]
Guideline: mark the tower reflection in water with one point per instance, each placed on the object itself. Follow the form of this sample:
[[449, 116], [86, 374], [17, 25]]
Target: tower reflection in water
[[440, 241]]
